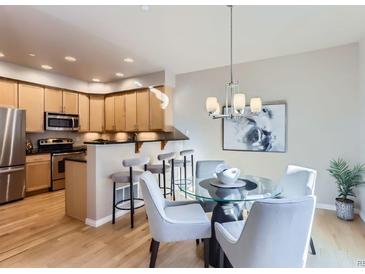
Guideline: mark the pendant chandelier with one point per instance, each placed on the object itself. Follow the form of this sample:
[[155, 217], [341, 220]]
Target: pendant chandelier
[[235, 101]]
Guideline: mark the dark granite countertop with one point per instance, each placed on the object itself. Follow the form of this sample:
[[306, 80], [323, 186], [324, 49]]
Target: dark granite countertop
[[74, 149], [141, 137], [81, 159]]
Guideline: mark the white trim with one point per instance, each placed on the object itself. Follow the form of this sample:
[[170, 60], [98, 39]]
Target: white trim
[[104, 220], [333, 208]]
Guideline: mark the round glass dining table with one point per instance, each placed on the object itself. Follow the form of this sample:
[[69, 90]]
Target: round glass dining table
[[227, 202]]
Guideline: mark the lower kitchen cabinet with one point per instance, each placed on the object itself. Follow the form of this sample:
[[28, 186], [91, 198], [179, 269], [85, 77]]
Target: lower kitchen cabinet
[[38, 172]]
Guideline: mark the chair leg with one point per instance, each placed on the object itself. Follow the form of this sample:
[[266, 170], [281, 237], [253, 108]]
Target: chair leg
[[131, 197], [206, 253], [197, 241], [192, 166], [151, 245], [312, 247], [185, 175], [114, 192], [159, 180], [154, 251], [173, 179]]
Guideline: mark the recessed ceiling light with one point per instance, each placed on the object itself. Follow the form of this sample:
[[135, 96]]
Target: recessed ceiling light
[[119, 74], [70, 59], [47, 67], [95, 80], [2, 54], [145, 7], [31, 54], [128, 60]]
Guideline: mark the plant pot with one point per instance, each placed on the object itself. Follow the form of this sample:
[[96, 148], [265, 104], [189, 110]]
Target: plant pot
[[345, 209]]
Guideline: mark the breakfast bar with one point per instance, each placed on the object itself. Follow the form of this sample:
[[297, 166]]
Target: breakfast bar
[[104, 157]]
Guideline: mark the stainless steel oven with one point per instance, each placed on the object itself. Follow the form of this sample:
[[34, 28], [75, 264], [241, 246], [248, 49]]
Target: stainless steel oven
[[58, 168], [61, 122]]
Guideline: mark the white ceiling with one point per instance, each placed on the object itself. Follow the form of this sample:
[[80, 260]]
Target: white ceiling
[[175, 38]]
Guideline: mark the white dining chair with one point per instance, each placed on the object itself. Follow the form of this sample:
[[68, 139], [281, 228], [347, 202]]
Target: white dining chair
[[298, 182], [276, 234], [172, 221]]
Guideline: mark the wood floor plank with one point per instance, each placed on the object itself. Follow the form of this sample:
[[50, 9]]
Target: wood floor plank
[[36, 233]]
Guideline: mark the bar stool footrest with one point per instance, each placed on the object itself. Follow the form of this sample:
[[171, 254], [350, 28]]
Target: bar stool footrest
[[128, 200]]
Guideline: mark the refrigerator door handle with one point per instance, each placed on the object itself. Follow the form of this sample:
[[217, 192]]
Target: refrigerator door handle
[[10, 170]]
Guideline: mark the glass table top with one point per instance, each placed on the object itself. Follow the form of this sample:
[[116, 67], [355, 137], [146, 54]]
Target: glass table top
[[250, 188]]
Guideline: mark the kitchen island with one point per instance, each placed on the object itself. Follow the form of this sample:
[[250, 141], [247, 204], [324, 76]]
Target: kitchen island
[[104, 157]]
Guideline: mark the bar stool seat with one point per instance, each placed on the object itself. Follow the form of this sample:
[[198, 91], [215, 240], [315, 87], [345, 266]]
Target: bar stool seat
[[123, 177], [157, 168], [179, 163]]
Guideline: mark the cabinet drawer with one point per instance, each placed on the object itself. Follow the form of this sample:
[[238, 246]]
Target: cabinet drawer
[[38, 158]]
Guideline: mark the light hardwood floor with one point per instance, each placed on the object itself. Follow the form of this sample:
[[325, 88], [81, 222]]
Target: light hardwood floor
[[36, 233]]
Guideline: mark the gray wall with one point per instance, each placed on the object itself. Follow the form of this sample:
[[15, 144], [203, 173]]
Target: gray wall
[[321, 90]]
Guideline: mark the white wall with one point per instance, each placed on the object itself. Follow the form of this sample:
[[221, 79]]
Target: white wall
[[322, 95]]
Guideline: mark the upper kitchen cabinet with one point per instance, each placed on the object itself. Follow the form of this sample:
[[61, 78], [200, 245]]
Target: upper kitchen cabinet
[[31, 98], [70, 102], [157, 114], [96, 113], [130, 111], [119, 110], [109, 113], [115, 113], [8, 93], [53, 100], [143, 110], [84, 112]]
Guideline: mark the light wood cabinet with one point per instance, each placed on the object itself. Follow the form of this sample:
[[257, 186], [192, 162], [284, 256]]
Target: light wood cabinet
[[143, 110], [70, 102], [157, 114], [38, 172], [96, 113], [109, 113], [115, 113], [119, 110], [75, 190], [31, 98], [84, 112], [8, 93], [130, 111], [53, 100]]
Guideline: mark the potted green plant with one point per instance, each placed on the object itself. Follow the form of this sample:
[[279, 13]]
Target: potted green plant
[[347, 179]]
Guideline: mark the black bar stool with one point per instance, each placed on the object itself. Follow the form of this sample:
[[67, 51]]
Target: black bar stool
[[125, 178], [162, 169], [182, 163]]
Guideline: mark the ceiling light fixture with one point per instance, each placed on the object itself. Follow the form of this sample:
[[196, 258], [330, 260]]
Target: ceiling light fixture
[[46, 67], [128, 60], [31, 54], [95, 80], [70, 59], [2, 55], [119, 74], [235, 101]]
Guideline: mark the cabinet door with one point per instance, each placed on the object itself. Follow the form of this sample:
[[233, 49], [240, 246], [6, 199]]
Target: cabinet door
[[143, 110], [109, 113], [157, 114], [119, 112], [8, 93], [130, 111], [31, 98], [38, 175], [70, 102], [84, 112], [96, 113], [53, 100]]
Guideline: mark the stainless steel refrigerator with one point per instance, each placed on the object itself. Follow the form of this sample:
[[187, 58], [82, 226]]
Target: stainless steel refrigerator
[[12, 154]]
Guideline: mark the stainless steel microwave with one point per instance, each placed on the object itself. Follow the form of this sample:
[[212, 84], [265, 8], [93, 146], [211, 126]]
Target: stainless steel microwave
[[61, 122]]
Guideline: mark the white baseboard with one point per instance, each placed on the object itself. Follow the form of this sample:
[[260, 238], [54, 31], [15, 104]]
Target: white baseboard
[[333, 207], [104, 220]]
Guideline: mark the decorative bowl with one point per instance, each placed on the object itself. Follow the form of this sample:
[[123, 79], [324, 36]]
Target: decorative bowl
[[227, 175]]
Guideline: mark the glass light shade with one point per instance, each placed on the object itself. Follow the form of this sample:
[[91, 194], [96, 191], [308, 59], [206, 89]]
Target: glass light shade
[[211, 104], [256, 105], [239, 102]]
